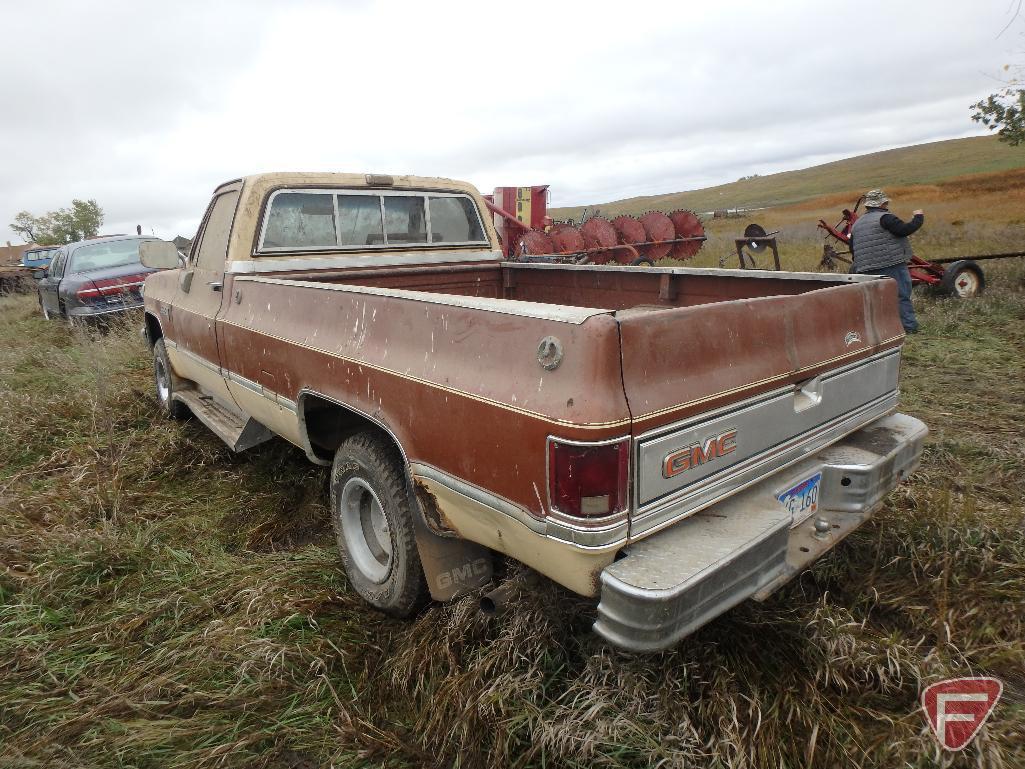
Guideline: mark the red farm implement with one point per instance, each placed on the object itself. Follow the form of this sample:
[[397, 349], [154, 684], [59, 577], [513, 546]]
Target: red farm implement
[[960, 277], [529, 234]]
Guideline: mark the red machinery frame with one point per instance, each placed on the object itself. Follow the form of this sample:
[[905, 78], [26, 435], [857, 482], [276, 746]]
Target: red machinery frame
[[961, 277]]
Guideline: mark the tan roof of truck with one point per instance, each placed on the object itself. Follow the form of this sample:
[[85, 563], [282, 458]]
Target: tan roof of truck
[[268, 181], [256, 188]]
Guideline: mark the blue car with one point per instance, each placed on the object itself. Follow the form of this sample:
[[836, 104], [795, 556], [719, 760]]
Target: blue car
[[38, 259]]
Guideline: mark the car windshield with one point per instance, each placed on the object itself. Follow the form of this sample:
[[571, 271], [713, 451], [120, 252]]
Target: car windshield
[[99, 256]]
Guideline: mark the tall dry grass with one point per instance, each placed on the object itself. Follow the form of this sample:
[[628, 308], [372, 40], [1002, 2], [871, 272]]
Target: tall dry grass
[[165, 603]]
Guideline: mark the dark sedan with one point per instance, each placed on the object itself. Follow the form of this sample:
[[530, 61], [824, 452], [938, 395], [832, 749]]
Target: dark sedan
[[93, 278]]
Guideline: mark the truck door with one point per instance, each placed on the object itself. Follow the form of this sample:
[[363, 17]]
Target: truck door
[[198, 301], [49, 285]]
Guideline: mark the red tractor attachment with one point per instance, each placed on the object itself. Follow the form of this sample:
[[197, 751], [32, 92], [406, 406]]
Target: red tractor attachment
[[962, 277], [529, 234]]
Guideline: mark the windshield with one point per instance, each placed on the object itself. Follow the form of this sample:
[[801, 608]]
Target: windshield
[[102, 255]]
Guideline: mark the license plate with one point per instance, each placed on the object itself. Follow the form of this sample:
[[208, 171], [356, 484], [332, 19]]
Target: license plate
[[802, 500]]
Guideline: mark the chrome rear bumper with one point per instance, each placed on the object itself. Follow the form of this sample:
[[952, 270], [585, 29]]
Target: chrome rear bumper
[[671, 583]]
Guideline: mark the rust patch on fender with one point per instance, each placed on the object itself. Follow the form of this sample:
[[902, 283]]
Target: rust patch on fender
[[433, 517]]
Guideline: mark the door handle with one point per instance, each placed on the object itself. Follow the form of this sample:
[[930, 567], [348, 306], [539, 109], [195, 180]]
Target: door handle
[[215, 285]]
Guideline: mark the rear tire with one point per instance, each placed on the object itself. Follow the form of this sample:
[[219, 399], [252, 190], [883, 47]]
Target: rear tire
[[166, 383], [373, 522], [963, 280], [642, 261]]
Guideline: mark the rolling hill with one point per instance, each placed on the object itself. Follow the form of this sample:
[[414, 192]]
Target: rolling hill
[[918, 164]]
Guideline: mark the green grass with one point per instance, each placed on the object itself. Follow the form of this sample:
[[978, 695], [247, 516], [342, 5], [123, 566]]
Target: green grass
[[165, 603], [905, 166]]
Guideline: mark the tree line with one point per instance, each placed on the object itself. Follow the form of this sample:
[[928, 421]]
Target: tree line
[[81, 220]]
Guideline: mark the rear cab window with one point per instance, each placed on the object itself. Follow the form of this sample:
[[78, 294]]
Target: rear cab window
[[333, 219]]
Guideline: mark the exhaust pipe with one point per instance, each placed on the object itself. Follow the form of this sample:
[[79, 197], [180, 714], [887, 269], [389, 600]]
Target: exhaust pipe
[[497, 600]]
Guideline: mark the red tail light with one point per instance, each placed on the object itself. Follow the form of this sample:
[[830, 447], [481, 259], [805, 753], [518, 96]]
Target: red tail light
[[104, 287], [588, 480]]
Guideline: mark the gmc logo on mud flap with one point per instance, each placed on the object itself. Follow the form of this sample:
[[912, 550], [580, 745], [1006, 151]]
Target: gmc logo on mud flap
[[697, 454], [462, 573]]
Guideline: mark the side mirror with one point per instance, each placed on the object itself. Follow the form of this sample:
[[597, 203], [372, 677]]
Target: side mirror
[[159, 254]]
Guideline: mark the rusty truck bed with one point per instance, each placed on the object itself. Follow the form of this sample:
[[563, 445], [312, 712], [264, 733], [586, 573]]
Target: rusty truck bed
[[642, 352]]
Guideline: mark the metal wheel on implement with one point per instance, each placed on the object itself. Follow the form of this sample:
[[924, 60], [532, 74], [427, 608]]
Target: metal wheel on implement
[[963, 279]]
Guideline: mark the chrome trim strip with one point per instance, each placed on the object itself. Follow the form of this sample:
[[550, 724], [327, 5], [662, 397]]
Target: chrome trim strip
[[82, 291], [249, 384], [554, 312], [196, 358], [238, 379], [580, 538], [259, 389], [389, 259], [477, 494], [107, 311]]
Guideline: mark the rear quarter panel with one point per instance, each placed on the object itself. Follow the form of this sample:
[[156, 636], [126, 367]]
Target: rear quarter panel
[[461, 388]]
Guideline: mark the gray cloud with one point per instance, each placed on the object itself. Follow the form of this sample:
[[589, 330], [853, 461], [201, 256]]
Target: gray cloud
[[146, 107]]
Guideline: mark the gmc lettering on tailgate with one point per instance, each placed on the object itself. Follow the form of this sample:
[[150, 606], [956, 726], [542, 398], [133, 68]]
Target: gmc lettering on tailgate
[[714, 447]]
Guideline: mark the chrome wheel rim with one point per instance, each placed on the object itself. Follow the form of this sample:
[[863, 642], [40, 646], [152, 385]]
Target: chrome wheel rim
[[967, 284], [365, 530], [163, 381]]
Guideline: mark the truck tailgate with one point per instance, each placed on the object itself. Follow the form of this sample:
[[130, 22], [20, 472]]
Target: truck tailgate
[[723, 394]]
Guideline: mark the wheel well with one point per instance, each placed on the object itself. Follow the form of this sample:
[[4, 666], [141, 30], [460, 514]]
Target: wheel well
[[326, 424], [153, 330]]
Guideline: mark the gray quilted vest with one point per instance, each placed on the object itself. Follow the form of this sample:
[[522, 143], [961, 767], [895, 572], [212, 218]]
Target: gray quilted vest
[[875, 247]]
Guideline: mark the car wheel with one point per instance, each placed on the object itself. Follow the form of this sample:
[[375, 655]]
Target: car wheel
[[373, 522], [166, 383]]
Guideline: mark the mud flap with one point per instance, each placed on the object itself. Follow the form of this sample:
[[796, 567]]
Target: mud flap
[[453, 566]]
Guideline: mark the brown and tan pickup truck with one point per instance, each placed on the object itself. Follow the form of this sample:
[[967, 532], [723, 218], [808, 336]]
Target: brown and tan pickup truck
[[669, 441]]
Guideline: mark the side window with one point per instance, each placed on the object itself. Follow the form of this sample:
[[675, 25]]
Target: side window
[[57, 268], [213, 244], [454, 220], [404, 219], [359, 220], [300, 220]]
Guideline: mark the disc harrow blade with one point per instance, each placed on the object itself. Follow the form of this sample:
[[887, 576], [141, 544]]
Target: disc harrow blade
[[599, 233], [687, 225], [566, 238], [534, 242], [657, 227], [629, 229]]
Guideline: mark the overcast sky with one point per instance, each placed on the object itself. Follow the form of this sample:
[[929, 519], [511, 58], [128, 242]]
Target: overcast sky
[[147, 106]]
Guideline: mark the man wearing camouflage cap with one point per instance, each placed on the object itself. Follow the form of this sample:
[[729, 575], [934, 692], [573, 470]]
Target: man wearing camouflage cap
[[879, 244]]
